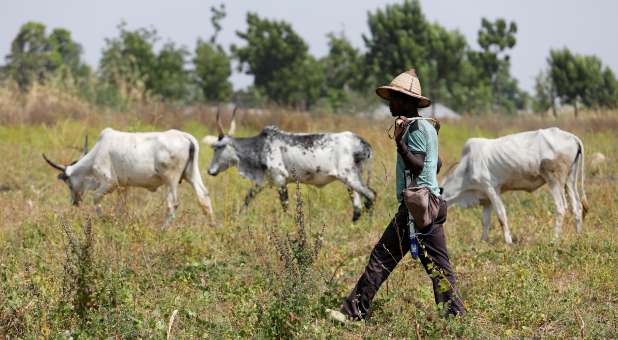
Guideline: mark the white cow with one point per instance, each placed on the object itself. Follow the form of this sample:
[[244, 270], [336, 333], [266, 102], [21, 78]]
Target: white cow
[[143, 159], [521, 161]]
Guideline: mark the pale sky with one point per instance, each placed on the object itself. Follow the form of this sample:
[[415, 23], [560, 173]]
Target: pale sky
[[586, 27]]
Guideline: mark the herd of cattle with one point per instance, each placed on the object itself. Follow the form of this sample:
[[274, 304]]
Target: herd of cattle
[[488, 167]]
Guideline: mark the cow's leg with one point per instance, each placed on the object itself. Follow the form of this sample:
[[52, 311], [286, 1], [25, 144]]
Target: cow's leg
[[105, 187], [496, 202], [203, 197], [576, 207], [486, 220], [253, 191], [355, 183], [283, 196], [121, 203], [356, 203], [557, 191], [171, 200]]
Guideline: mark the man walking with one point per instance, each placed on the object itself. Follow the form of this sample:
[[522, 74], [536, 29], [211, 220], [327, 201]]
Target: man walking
[[417, 158]]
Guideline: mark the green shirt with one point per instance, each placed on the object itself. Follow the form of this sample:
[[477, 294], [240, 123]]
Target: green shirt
[[421, 138]]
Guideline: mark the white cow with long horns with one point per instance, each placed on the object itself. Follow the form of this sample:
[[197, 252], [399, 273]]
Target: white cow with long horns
[[137, 159]]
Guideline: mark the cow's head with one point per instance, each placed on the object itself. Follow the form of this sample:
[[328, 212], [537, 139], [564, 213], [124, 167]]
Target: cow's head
[[224, 152], [453, 182], [77, 183], [210, 139]]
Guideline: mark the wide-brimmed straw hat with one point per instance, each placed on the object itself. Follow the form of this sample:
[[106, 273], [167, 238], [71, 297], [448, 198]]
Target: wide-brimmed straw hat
[[406, 83]]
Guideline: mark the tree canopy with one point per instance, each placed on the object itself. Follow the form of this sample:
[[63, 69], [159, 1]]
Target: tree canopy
[[35, 56], [400, 37], [278, 59]]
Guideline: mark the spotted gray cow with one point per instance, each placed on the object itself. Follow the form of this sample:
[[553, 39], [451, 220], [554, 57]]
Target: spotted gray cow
[[277, 157]]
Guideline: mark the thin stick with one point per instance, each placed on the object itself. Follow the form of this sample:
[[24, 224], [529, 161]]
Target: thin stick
[[171, 323], [582, 325]]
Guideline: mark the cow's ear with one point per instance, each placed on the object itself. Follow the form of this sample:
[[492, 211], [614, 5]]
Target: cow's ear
[[210, 140], [63, 176]]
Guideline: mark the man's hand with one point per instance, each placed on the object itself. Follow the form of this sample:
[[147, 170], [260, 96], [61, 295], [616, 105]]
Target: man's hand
[[400, 124]]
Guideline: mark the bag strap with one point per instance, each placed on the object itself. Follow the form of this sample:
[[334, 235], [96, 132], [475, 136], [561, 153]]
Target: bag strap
[[435, 122]]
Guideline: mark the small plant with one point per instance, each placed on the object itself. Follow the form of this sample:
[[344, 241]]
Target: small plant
[[296, 284], [79, 272]]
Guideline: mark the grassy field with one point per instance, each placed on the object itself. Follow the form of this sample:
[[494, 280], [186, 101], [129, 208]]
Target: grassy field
[[70, 272]]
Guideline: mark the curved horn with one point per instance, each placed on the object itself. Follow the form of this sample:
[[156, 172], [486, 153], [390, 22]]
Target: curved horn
[[54, 165], [233, 122], [85, 149], [448, 172], [219, 126]]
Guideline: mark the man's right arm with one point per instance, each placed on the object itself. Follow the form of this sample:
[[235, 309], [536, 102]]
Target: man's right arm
[[414, 162]]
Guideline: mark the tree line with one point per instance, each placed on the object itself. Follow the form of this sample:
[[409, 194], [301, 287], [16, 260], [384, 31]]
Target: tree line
[[285, 73]]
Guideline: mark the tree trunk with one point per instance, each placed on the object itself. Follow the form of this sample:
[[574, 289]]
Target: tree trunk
[[575, 106]]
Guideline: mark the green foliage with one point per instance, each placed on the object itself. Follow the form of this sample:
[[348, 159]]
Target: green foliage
[[278, 59], [545, 94], [130, 63], [398, 39], [294, 287], [218, 14], [495, 39], [401, 38], [35, 56], [171, 79], [582, 79], [212, 71], [343, 72]]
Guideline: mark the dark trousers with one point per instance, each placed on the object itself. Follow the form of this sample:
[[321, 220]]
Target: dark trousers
[[394, 244]]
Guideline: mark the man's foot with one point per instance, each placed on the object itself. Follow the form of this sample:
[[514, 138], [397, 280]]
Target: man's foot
[[341, 318]]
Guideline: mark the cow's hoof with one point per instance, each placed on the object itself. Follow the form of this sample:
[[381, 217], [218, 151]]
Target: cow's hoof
[[356, 215]]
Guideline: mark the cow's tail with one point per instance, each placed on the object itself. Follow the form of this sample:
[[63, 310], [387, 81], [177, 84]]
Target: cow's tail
[[192, 165], [363, 158], [369, 161], [579, 159], [192, 174]]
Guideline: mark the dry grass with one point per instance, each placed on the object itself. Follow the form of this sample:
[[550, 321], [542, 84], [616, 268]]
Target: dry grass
[[222, 280]]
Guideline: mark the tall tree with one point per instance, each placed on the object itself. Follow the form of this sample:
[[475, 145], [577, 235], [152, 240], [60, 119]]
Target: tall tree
[[170, 79], [212, 71], [495, 39], [582, 80], [212, 66], [35, 56], [343, 70], [217, 14], [400, 37], [607, 94], [446, 63], [545, 96], [278, 59], [129, 59]]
